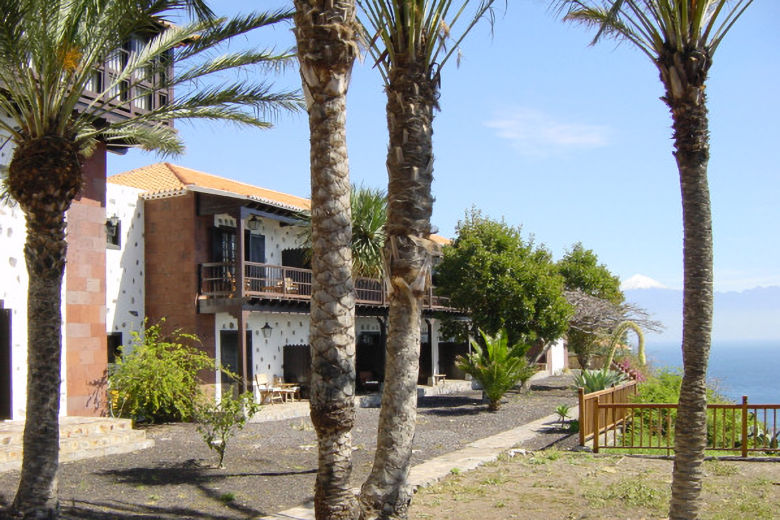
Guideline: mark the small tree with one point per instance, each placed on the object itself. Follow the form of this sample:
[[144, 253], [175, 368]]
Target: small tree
[[582, 272], [504, 281], [218, 422], [155, 378], [498, 367]]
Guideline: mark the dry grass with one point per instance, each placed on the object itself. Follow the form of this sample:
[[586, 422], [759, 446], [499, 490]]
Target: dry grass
[[565, 485]]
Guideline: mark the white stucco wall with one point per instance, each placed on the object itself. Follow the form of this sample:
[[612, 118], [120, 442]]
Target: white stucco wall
[[13, 292], [278, 237], [125, 266], [267, 353], [557, 357]]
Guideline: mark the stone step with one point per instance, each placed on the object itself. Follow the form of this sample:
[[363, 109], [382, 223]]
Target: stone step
[[80, 438]]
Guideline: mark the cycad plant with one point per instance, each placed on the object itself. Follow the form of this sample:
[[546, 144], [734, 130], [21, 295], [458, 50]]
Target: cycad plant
[[498, 367], [49, 53], [680, 37]]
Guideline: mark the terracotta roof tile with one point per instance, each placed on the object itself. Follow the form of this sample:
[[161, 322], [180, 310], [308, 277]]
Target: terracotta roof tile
[[166, 177], [163, 178]]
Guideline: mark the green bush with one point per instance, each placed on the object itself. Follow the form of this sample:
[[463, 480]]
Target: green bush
[[595, 380], [218, 422], [155, 378], [498, 368], [663, 387]]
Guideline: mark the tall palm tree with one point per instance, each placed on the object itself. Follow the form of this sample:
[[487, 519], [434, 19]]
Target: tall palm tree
[[49, 50], [326, 35], [407, 39], [681, 37]]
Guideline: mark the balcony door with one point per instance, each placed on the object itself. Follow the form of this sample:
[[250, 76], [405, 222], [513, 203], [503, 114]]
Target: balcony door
[[254, 252]]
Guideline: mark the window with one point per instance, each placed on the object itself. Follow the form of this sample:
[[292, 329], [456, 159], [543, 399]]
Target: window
[[113, 343], [113, 233]]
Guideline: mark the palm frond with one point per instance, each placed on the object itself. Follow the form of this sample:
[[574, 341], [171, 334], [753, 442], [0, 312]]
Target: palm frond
[[656, 26], [415, 31], [49, 51]]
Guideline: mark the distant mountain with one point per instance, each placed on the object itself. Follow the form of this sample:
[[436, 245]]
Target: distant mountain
[[640, 281], [753, 314]]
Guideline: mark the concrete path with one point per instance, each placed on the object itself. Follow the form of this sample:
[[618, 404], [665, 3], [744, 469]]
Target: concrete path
[[466, 459]]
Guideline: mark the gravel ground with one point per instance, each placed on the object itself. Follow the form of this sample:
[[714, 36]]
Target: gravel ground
[[271, 466]]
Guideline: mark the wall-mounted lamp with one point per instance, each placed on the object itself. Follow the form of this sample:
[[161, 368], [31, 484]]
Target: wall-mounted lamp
[[266, 330], [253, 223]]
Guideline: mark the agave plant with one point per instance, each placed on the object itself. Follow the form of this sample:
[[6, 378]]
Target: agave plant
[[498, 367], [595, 380]]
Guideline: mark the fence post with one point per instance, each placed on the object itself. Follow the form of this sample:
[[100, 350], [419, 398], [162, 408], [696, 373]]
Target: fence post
[[596, 425], [581, 398], [744, 426]]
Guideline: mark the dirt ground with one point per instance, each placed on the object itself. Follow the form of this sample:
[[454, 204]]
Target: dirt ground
[[556, 485], [271, 466]]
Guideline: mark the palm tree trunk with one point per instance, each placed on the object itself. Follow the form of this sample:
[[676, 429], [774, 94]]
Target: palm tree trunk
[[44, 177], [37, 493], [689, 113], [326, 51], [411, 98]]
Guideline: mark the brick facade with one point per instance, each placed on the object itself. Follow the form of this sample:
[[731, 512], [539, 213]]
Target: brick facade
[[85, 292]]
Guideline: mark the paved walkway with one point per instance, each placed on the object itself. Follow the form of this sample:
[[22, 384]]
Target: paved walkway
[[466, 459]]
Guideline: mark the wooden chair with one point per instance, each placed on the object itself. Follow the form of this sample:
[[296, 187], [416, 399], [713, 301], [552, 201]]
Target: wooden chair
[[267, 393]]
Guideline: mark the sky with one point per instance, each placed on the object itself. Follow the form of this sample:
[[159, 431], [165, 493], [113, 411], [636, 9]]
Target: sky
[[569, 141]]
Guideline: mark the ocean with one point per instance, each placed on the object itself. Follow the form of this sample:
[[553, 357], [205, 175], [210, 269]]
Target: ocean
[[750, 368]]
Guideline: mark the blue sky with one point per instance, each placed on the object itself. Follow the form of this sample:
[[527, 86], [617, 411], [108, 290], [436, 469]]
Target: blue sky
[[569, 141]]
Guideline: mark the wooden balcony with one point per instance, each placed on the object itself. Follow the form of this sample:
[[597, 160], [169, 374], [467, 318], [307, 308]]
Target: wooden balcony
[[139, 94], [276, 282]]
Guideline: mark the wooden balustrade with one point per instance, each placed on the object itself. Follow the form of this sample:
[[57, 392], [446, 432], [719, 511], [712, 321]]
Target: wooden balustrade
[[260, 280], [741, 428]]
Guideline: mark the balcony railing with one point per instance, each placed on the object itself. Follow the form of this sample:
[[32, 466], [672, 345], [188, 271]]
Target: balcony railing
[[139, 94], [219, 280]]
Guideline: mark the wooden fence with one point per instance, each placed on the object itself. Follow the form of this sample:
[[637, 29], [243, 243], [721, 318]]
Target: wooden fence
[[741, 428], [590, 421]]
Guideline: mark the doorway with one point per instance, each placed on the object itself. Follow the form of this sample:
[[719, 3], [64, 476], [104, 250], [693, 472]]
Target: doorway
[[230, 359], [6, 384]]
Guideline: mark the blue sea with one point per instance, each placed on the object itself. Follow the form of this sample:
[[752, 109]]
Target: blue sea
[[750, 368]]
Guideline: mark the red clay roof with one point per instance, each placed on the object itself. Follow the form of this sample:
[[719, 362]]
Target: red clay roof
[[165, 178], [162, 178]]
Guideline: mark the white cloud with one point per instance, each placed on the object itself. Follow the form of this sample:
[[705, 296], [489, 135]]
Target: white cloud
[[535, 133]]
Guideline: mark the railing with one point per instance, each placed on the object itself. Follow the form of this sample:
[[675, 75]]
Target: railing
[[218, 279], [740, 428], [590, 421], [136, 95]]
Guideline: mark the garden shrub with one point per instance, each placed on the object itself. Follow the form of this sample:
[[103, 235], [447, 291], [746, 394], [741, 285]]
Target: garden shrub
[[663, 386], [218, 422], [155, 378], [595, 380]]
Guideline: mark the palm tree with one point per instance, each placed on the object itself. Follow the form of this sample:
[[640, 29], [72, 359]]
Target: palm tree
[[680, 37], [407, 40], [49, 50], [326, 36]]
